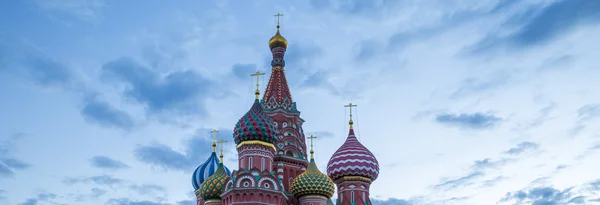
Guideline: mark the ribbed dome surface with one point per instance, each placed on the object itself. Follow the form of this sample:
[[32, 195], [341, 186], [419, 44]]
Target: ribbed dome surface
[[254, 125], [353, 159], [205, 170], [213, 187], [312, 182]]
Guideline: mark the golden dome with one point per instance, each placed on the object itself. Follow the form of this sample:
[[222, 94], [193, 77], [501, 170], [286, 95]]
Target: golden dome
[[312, 182], [277, 40]]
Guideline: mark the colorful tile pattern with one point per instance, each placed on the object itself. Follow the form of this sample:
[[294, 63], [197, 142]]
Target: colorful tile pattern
[[254, 125], [353, 159], [312, 182], [213, 187]]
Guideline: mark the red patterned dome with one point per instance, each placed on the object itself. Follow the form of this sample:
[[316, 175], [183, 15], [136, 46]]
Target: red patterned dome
[[254, 125], [353, 159]]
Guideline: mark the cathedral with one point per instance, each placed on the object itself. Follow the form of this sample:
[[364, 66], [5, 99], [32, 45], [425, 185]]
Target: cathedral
[[273, 166]]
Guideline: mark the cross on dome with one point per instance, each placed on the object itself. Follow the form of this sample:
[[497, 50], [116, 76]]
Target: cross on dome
[[257, 75], [214, 145], [350, 106], [312, 152], [221, 141]]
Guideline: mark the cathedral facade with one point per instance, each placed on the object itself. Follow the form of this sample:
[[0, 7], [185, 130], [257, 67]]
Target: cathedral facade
[[273, 165]]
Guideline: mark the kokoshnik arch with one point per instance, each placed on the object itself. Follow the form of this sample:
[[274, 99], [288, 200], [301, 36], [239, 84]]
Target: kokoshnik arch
[[273, 163]]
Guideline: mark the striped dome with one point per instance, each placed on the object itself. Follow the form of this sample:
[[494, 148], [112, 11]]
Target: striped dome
[[254, 125], [353, 159], [312, 182], [205, 170]]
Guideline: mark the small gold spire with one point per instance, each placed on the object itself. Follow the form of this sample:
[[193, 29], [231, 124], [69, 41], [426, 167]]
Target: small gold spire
[[257, 74], [214, 145], [221, 155], [350, 106], [312, 152]]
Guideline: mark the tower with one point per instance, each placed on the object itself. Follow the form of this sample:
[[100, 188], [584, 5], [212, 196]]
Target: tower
[[312, 186], [290, 156], [206, 169], [353, 168], [255, 182]]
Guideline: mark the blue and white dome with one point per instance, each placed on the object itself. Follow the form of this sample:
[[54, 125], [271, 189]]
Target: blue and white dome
[[206, 169]]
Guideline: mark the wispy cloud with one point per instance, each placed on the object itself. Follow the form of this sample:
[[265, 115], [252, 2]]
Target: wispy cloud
[[41, 197], [540, 24], [24, 59], [82, 9], [584, 194], [105, 162], [9, 164], [522, 147], [197, 149], [102, 113], [468, 120], [179, 92]]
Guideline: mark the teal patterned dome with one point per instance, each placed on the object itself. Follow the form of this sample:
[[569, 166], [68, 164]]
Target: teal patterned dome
[[255, 125], [212, 188]]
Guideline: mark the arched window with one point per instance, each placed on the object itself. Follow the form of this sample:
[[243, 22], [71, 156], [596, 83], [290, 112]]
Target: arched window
[[364, 197], [352, 196], [262, 163], [249, 162]]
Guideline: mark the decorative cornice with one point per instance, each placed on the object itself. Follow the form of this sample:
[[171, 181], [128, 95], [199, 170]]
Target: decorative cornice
[[256, 142], [213, 201], [353, 178]]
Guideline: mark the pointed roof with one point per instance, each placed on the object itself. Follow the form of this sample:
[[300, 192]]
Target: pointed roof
[[277, 94]]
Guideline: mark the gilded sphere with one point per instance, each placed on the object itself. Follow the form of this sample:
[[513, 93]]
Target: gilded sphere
[[277, 41]]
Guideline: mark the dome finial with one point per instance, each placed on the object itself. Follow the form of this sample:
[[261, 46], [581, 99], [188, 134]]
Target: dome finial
[[278, 15], [277, 40], [221, 155], [214, 145], [312, 152], [350, 106], [257, 74]]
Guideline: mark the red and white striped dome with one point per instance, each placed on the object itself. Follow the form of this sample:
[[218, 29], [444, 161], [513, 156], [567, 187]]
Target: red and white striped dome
[[352, 159]]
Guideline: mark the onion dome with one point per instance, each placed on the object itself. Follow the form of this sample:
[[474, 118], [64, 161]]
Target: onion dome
[[206, 169], [213, 187], [312, 181], [277, 40], [353, 159], [255, 125]]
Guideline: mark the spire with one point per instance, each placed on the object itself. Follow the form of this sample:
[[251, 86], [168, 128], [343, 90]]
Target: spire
[[312, 152], [221, 155], [214, 145], [350, 122], [277, 94], [257, 75]]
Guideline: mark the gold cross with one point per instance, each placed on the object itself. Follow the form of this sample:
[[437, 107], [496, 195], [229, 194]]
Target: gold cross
[[214, 132], [278, 15], [257, 74], [350, 106], [221, 141], [312, 152]]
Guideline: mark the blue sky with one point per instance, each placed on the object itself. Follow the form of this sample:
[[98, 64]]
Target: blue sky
[[462, 102]]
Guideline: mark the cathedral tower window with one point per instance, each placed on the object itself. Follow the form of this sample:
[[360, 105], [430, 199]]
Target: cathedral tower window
[[249, 162], [262, 163], [352, 196]]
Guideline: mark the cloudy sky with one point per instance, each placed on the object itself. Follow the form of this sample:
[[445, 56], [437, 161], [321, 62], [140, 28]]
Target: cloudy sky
[[462, 101]]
